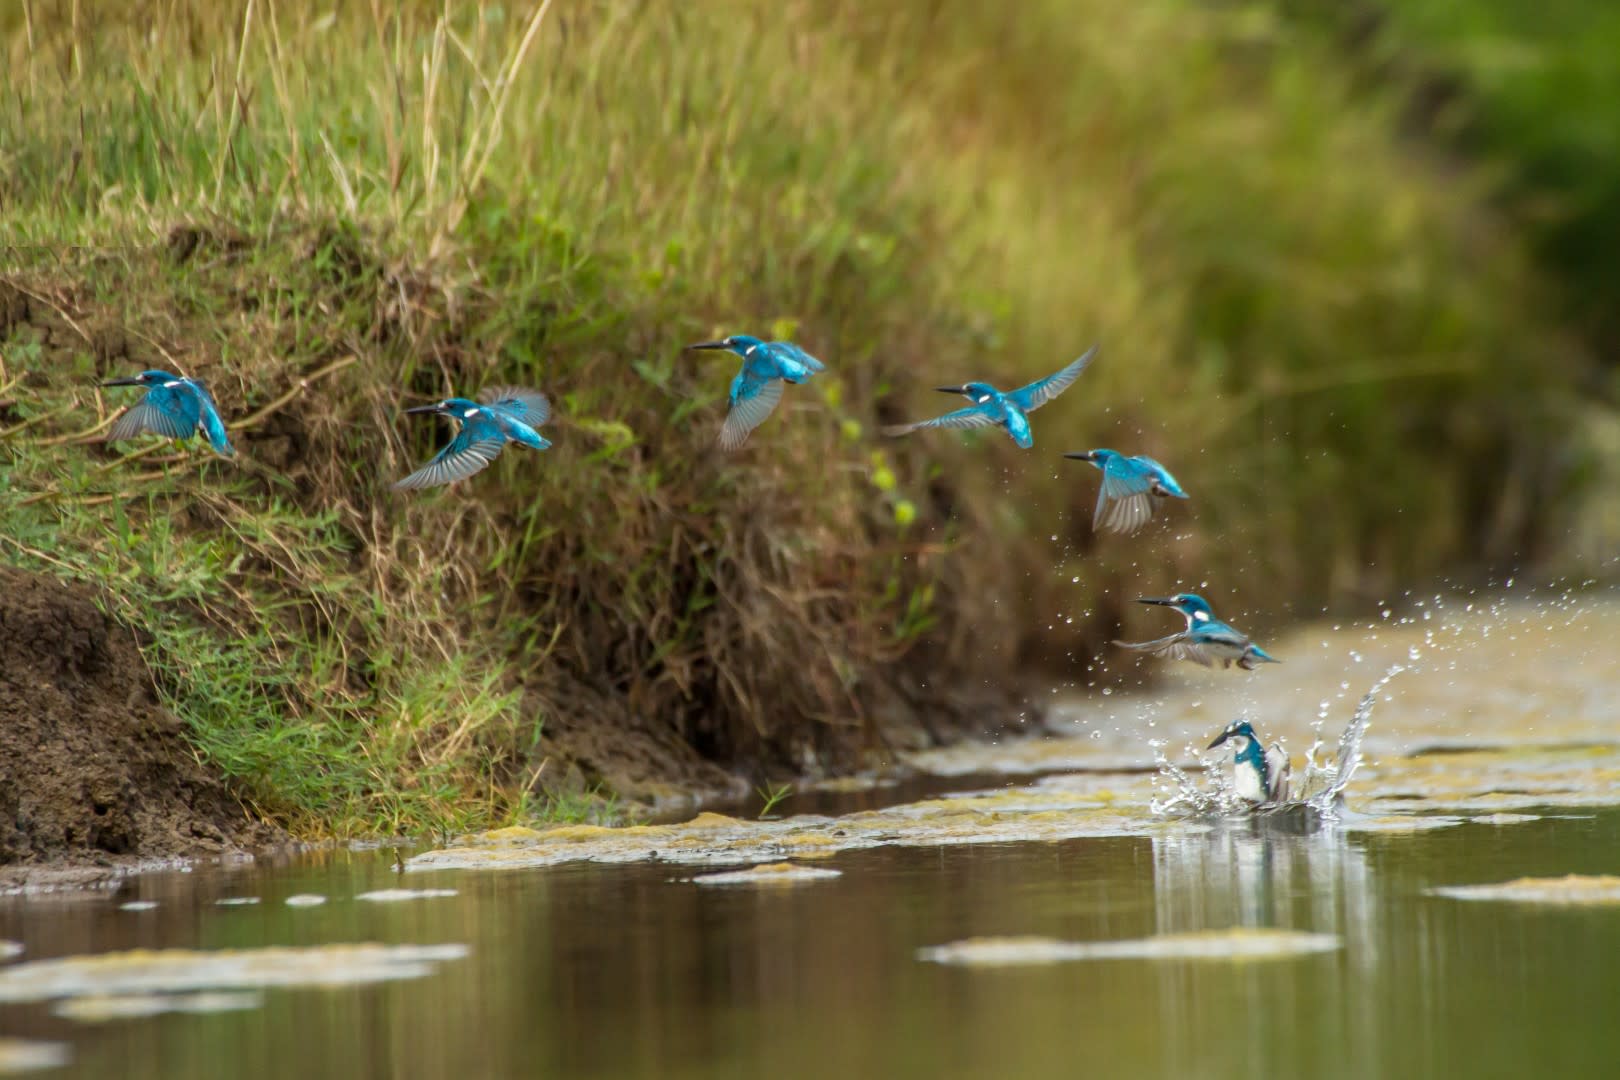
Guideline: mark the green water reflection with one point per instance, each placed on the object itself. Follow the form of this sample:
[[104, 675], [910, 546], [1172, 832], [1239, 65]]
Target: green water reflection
[[600, 971]]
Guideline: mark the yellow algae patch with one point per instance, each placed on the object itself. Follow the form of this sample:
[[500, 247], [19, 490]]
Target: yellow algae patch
[[713, 821], [100, 1008], [511, 833], [579, 833], [782, 873], [158, 971], [1238, 944], [1572, 890], [26, 1055]]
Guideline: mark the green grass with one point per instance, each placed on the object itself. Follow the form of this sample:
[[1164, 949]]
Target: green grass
[[331, 217]]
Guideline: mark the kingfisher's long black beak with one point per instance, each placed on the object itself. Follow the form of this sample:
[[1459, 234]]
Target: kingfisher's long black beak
[[951, 389], [1162, 601], [129, 380], [709, 345], [424, 409], [1222, 737], [1083, 455]]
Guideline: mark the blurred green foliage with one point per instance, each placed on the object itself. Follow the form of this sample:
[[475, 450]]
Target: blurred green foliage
[[1531, 93]]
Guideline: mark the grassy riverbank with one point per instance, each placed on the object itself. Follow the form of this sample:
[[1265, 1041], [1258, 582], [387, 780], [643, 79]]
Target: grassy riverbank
[[330, 216]]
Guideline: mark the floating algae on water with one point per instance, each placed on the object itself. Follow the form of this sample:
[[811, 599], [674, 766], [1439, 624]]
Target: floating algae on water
[[171, 971], [1239, 944], [29, 1055], [395, 896], [770, 874], [101, 1008], [1573, 890], [1027, 814]]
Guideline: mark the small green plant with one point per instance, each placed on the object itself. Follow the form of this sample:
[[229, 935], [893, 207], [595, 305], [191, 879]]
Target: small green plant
[[771, 795]]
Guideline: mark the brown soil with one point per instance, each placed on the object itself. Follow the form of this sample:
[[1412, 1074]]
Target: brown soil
[[91, 766]]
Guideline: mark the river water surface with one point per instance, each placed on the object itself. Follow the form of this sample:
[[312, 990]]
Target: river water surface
[[1023, 911]]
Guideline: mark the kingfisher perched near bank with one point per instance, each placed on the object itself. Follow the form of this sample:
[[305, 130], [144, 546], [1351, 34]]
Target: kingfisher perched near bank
[[1259, 774], [1132, 488], [501, 415], [757, 387], [1008, 411], [174, 407], [1206, 638]]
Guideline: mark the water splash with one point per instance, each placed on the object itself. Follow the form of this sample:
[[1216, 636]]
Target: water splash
[[1323, 784], [1177, 793]]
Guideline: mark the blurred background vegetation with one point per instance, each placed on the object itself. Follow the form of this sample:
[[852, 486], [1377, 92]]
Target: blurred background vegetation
[[1365, 352]]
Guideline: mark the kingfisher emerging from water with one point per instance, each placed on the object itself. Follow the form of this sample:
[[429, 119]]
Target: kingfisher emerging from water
[[1008, 411], [1259, 774], [1206, 639], [757, 387], [174, 407], [1132, 488], [501, 415]]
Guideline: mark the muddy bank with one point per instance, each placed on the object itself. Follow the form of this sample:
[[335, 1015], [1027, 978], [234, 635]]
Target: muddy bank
[[92, 768]]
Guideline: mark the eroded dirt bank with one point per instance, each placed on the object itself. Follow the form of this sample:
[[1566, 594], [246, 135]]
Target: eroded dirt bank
[[92, 767]]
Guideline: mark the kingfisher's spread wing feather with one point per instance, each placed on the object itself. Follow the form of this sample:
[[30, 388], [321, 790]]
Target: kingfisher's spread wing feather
[[752, 400], [1038, 393], [471, 451], [1281, 772], [165, 411], [1123, 515], [962, 419], [1176, 647], [1125, 502], [530, 406]]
